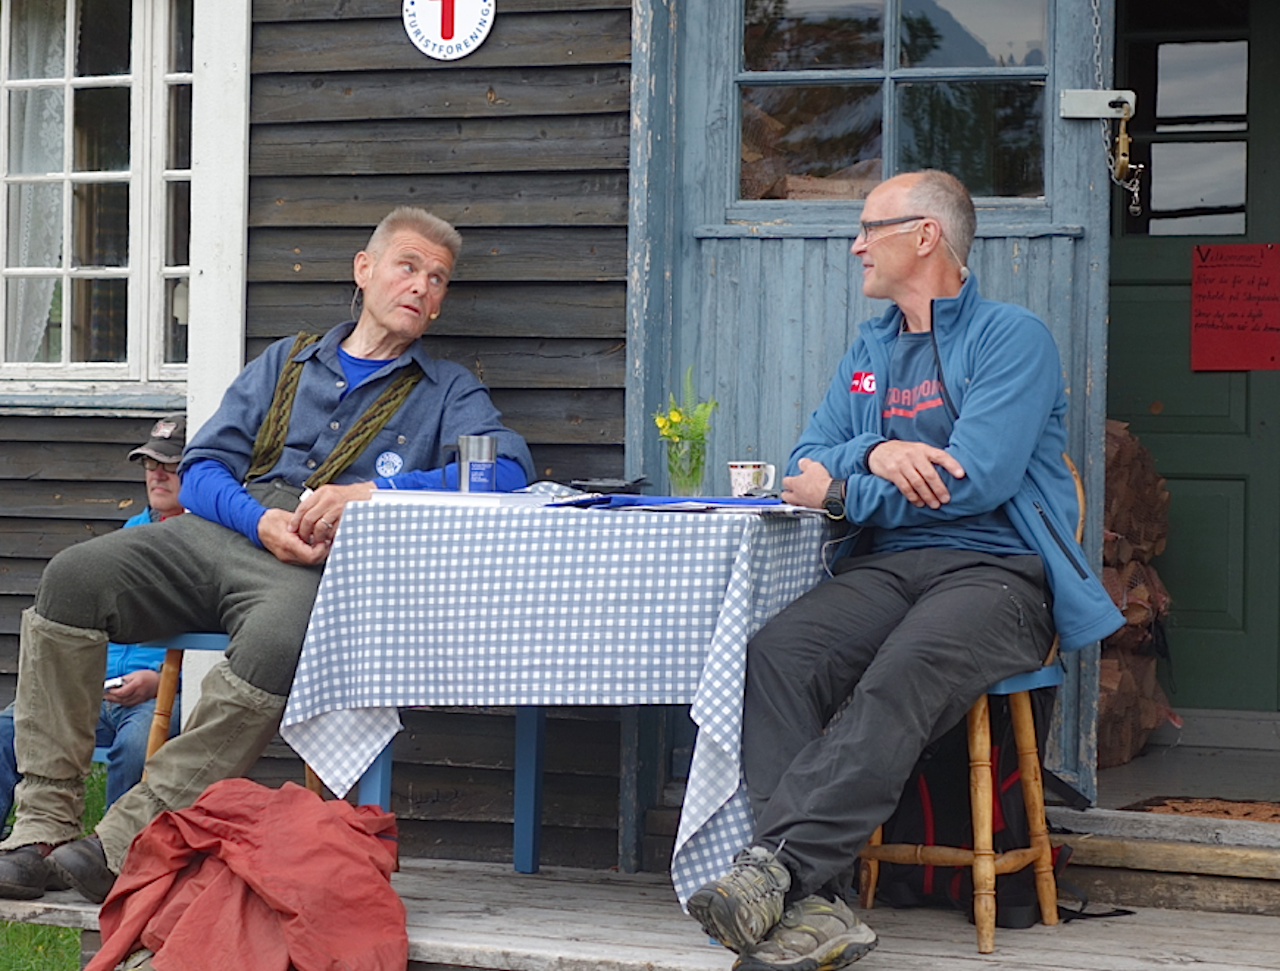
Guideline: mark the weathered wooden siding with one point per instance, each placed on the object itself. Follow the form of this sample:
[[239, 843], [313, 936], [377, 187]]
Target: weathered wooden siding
[[451, 788], [522, 145], [62, 480]]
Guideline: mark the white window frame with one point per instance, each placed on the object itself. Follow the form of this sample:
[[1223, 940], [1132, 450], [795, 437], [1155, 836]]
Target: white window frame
[[219, 202], [219, 216], [219, 231]]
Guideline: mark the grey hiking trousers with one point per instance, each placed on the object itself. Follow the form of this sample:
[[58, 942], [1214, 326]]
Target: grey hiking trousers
[[909, 640]]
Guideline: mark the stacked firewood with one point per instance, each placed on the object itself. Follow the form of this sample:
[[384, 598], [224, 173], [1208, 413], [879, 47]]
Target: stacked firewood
[[1131, 702]]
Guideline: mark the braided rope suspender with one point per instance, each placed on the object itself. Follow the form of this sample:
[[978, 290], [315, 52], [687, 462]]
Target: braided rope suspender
[[268, 445]]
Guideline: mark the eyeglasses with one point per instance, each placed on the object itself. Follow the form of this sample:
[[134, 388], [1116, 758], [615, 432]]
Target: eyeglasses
[[867, 229], [151, 465]]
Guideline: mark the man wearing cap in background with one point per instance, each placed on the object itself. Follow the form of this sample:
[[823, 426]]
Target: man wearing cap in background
[[127, 707]]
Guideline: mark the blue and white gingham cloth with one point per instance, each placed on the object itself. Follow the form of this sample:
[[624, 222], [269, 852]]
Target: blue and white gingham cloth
[[462, 605]]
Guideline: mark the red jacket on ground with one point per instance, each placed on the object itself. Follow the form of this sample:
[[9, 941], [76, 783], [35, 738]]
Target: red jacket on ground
[[257, 879]]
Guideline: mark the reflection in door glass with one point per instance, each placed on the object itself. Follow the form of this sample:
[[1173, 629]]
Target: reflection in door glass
[[810, 141], [180, 126], [177, 247], [986, 133], [1198, 188], [804, 35], [1202, 81], [181, 35], [973, 33]]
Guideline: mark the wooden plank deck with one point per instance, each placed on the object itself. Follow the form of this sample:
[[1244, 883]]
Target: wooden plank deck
[[480, 915]]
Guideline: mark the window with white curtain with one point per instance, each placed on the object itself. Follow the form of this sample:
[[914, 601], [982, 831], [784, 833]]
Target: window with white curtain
[[96, 116]]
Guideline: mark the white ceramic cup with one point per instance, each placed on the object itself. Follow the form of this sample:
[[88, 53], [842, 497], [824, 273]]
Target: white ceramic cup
[[746, 476]]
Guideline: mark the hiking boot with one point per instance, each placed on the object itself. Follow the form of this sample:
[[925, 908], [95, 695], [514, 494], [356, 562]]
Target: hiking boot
[[815, 934], [739, 909], [25, 873], [83, 864]]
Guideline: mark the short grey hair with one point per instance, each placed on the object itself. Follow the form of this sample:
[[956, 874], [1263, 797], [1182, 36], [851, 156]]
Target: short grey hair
[[415, 220], [942, 196]]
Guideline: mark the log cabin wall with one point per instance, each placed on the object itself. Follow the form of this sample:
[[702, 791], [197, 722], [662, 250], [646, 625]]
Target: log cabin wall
[[62, 480], [524, 147]]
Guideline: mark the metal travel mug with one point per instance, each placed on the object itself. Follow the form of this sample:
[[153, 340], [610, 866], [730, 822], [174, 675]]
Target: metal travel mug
[[477, 463]]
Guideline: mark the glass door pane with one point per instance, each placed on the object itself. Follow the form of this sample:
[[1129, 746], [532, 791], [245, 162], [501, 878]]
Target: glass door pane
[[810, 141]]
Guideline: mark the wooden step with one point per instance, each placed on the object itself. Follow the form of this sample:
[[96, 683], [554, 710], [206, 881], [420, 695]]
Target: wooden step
[[1130, 859]]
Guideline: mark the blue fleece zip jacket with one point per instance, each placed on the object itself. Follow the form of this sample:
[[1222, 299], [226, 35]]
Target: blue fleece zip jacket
[[1002, 374]]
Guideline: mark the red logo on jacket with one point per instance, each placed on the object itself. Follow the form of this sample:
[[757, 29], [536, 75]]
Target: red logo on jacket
[[864, 382]]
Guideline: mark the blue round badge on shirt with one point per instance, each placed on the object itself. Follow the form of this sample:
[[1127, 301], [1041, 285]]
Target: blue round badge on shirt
[[388, 464]]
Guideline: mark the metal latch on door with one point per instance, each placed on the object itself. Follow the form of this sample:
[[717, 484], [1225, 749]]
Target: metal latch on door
[[1107, 105]]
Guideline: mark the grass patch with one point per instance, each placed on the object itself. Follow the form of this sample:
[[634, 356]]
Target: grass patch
[[38, 947]]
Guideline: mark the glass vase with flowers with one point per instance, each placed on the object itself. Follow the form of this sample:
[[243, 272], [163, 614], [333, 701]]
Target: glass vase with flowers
[[684, 427]]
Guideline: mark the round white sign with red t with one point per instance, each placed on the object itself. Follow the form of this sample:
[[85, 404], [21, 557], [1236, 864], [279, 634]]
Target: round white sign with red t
[[448, 29]]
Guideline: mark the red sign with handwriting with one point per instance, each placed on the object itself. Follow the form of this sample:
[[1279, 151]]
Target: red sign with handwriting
[[1235, 307]]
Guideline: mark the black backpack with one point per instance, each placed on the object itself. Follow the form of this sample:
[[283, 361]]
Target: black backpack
[[934, 810]]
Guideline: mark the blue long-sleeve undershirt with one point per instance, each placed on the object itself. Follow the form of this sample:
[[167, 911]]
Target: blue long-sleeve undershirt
[[211, 491]]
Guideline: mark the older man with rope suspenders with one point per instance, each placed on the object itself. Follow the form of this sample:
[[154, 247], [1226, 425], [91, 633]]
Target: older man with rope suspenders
[[307, 427]]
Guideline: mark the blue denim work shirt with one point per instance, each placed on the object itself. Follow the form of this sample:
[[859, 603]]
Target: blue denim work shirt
[[446, 403]]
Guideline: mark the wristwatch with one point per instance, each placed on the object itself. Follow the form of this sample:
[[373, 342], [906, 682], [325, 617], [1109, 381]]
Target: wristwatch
[[833, 502]]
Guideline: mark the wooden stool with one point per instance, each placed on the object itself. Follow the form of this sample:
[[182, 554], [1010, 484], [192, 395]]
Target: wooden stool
[[984, 862]]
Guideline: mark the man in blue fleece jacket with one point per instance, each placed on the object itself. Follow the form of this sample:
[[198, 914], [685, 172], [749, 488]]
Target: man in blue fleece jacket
[[307, 427], [941, 439]]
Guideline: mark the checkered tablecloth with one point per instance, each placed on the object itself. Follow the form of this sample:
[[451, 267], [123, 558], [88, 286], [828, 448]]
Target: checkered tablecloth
[[451, 605]]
